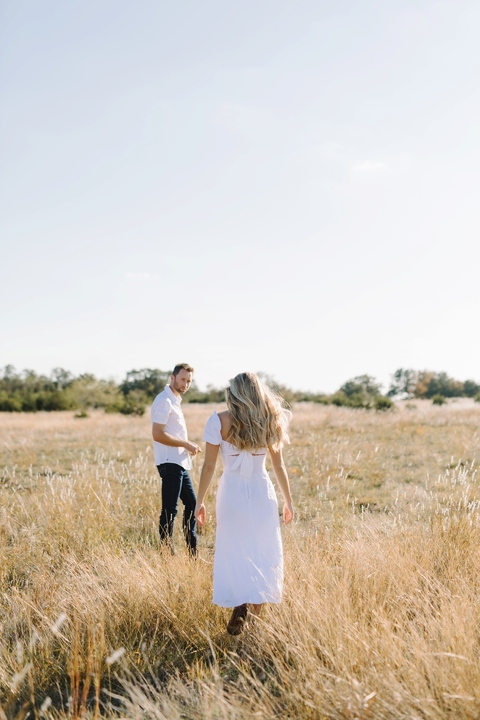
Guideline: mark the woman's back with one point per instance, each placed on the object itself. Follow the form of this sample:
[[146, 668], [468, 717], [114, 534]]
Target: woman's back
[[247, 463]]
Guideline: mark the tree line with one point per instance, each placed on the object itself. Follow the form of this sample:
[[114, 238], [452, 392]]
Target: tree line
[[27, 391]]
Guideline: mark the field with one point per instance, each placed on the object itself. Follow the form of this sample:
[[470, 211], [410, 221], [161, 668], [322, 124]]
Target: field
[[381, 611]]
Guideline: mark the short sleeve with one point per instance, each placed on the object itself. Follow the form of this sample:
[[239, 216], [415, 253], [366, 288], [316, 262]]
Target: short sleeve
[[160, 411], [212, 433]]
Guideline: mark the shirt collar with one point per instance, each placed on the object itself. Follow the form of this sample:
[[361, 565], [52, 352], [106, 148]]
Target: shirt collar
[[176, 398]]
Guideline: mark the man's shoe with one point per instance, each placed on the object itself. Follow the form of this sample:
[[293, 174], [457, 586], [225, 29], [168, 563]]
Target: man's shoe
[[238, 619]]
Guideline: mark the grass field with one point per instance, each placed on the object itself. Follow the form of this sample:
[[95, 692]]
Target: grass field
[[381, 610]]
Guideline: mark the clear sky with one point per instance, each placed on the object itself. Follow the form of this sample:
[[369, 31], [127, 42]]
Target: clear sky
[[287, 186]]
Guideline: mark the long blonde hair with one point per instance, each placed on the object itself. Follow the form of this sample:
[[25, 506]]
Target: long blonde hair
[[258, 415]]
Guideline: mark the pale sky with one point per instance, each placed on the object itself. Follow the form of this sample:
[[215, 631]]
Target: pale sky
[[292, 187]]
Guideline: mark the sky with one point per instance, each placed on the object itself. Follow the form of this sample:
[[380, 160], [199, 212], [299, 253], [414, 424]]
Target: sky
[[268, 185]]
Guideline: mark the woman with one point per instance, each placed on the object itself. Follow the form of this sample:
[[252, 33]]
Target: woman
[[248, 567]]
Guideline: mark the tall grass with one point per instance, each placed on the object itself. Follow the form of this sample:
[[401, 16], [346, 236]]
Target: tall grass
[[380, 614]]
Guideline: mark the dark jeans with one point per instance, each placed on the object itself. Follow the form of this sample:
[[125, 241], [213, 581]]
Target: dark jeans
[[177, 483]]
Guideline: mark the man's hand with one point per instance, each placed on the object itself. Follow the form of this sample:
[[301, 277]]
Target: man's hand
[[192, 448]]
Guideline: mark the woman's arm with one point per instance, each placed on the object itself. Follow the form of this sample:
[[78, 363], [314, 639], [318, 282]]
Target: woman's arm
[[282, 478], [211, 454]]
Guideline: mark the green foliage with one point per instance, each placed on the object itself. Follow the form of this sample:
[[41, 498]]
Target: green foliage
[[87, 391], [403, 383], [442, 384], [471, 389], [383, 403], [320, 398], [211, 395], [361, 386], [10, 403], [149, 381], [430, 384], [359, 392], [408, 383], [27, 391], [134, 403], [81, 414], [356, 400], [438, 399]]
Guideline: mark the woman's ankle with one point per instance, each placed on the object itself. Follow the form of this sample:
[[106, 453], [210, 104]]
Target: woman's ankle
[[255, 609]]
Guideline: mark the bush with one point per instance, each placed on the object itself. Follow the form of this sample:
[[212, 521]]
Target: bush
[[383, 403], [321, 399], [134, 403], [477, 398], [362, 385], [149, 381], [10, 403], [471, 389], [211, 395], [356, 400], [438, 400]]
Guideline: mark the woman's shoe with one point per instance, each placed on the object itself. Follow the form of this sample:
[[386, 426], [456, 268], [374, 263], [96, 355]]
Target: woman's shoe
[[238, 619]]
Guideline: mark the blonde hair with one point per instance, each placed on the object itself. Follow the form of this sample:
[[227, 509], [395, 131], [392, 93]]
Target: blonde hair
[[258, 415]]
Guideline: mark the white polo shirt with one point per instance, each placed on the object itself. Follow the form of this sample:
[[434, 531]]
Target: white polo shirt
[[166, 411]]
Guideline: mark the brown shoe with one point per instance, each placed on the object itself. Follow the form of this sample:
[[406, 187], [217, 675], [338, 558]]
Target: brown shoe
[[237, 621]]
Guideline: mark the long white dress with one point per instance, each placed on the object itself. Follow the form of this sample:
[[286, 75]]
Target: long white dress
[[248, 565]]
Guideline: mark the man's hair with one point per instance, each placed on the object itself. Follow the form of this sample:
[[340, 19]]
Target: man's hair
[[181, 366]]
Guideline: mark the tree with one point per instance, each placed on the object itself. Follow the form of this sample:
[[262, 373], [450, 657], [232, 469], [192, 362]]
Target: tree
[[442, 384], [359, 392], [431, 383], [403, 383], [423, 381], [361, 385], [471, 388], [61, 378], [149, 381]]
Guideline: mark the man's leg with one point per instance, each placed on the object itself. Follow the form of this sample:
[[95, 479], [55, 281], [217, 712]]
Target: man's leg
[[171, 475], [188, 497]]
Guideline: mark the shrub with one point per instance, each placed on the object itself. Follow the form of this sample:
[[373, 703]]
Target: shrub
[[321, 399], [10, 403], [362, 385], [149, 381], [438, 400], [134, 403], [471, 389], [339, 399], [477, 398], [383, 403]]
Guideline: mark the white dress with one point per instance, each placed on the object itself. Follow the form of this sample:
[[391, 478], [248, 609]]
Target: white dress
[[248, 566]]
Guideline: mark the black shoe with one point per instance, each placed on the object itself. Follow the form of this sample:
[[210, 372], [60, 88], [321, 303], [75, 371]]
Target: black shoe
[[237, 622]]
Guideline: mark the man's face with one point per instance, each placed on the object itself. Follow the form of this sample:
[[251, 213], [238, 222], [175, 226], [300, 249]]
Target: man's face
[[181, 382]]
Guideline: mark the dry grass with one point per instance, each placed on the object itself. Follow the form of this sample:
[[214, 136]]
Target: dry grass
[[380, 617]]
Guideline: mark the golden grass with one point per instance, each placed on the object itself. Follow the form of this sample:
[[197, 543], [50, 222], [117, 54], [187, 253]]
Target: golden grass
[[380, 617]]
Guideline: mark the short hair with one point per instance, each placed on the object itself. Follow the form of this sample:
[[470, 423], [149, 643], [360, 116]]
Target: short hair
[[181, 366]]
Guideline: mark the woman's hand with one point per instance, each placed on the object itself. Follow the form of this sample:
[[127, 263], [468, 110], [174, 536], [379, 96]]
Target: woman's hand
[[200, 514], [287, 512]]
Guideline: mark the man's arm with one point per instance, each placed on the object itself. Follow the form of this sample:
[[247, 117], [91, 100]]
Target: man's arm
[[159, 435]]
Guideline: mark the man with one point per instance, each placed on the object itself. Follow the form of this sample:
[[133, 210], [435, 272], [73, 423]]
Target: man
[[172, 451]]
